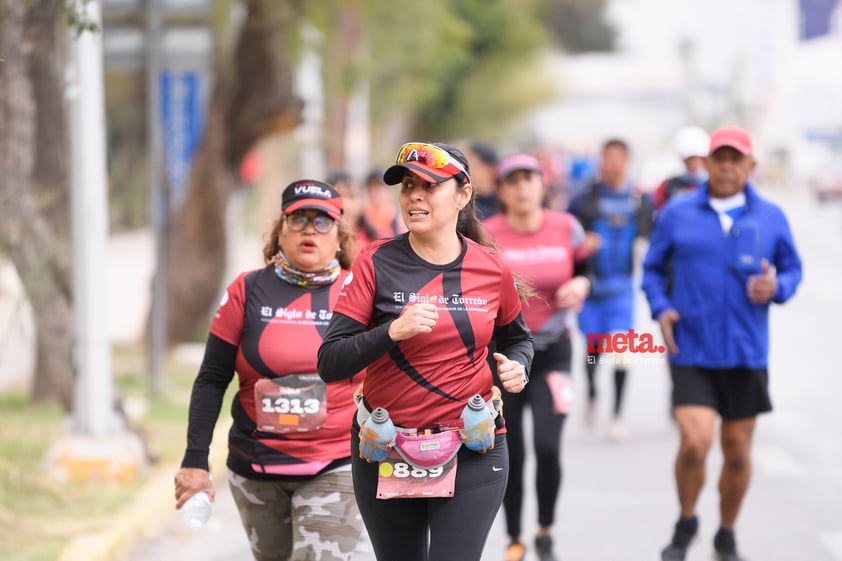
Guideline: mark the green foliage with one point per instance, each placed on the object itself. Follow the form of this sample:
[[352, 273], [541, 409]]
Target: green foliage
[[77, 18], [440, 69], [28, 498], [412, 53], [39, 516], [495, 81], [453, 68]]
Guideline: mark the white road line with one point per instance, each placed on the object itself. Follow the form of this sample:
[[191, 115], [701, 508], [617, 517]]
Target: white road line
[[833, 542], [775, 462]]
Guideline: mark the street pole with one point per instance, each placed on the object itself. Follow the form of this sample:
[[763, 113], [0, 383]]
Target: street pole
[[97, 445], [158, 196], [311, 89], [94, 398]]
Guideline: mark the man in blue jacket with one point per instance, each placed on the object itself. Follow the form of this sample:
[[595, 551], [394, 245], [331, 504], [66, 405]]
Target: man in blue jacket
[[728, 254]]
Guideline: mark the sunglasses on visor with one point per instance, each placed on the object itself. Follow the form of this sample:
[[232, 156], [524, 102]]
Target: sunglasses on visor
[[432, 156]]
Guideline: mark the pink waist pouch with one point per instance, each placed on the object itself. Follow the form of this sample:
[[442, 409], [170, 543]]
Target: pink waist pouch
[[428, 450]]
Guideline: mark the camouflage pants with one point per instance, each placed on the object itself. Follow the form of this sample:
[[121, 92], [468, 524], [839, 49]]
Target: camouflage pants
[[313, 520]]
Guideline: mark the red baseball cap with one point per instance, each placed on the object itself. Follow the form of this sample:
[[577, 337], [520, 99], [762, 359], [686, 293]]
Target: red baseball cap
[[309, 193], [733, 137]]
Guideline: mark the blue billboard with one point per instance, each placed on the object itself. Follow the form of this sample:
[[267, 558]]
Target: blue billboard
[[182, 125]]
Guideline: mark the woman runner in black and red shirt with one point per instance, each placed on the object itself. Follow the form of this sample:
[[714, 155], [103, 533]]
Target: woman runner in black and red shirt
[[418, 313], [288, 460]]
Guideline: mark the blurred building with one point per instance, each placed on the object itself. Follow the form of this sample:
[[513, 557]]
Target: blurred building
[[768, 65]]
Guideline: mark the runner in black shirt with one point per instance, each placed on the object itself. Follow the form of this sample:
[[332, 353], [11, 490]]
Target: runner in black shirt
[[418, 312], [288, 461]]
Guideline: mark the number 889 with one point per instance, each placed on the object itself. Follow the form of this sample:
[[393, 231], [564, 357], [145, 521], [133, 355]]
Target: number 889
[[405, 470]]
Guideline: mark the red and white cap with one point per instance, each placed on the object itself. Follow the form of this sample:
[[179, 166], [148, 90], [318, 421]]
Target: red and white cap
[[733, 137], [312, 194]]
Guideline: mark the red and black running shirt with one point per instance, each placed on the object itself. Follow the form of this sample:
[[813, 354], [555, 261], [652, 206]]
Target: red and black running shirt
[[429, 377], [276, 329]]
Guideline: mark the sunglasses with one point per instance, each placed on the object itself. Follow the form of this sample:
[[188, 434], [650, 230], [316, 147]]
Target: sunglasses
[[297, 222], [432, 156]]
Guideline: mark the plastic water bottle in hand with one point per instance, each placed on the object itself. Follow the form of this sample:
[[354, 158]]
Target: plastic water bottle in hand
[[196, 511]]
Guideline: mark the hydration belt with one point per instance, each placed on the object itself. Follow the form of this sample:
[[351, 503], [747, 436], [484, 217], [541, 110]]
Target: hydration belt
[[495, 405], [432, 445]]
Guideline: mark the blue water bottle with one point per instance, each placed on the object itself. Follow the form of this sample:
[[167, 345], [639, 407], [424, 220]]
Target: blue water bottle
[[478, 434], [377, 436]]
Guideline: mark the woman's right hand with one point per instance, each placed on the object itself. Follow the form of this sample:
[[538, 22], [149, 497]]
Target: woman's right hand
[[189, 481], [418, 318]]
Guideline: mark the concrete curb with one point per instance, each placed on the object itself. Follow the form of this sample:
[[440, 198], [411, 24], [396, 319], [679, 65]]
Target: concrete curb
[[149, 511], [144, 515]]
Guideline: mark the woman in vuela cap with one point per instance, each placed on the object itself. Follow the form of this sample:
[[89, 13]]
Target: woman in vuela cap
[[288, 461], [418, 313]]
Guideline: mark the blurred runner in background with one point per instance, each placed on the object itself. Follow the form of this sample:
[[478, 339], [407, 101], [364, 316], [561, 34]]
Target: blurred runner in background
[[691, 145], [614, 214], [546, 248], [483, 159], [380, 218]]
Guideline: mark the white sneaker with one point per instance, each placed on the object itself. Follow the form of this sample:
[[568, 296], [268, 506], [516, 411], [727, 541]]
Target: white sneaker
[[616, 431]]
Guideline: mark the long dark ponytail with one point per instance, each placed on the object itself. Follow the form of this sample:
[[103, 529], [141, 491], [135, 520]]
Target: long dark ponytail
[[468, 224]]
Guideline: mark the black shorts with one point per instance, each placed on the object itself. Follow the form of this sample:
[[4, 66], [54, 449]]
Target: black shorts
[[736, 393]]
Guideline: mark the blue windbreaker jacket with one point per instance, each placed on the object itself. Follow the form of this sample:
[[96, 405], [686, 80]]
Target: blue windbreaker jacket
[[708, 271]]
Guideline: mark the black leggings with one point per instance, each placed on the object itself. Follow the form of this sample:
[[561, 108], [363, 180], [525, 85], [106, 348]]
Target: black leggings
[[591, 362], [458, 526], [547, 426]]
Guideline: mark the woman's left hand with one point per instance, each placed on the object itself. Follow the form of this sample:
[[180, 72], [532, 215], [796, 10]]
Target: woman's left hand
[[572, 294], [511, 373]]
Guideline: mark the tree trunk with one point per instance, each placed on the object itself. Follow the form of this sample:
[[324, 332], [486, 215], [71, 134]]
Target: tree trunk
[[255, 98], [196, 251], [262, 80], [26, 232], [46, 70], [341, 70]]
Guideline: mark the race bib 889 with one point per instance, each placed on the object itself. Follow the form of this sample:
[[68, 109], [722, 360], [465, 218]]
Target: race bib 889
[[397, 478]]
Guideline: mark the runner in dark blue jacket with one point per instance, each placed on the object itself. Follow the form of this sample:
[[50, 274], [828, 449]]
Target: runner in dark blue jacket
[[728, 254]]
